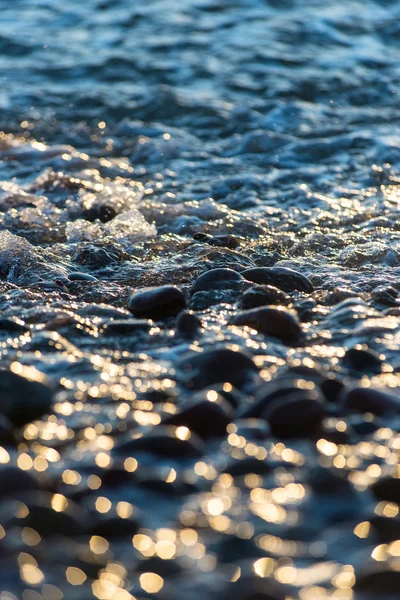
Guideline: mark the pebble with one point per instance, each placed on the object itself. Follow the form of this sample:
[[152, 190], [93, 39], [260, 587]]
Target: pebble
[[298, 415], [111, 525], [370, 400], [23, 400], [283, 278], [218, 279], [126, 326], [361, 359], [387, 488], [224, 241], [278, 323], [164, 441], [70, 521], [15, 483], [157, 302], [207, 418], [250, 587], [218, 365], [188, 324], [263, 295], [77, 276], [13, 325]]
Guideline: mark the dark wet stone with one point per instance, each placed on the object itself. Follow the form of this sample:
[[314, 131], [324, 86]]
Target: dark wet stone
[[218, 279], [12, 325], [94, 257], [332, 387], [305, 309], [7, 436], [22, 400], [363, 426], [15, 483], [250, 587], [263, 295], [73, 520], [253, 429], [283, 278], [387, 488], [111, 525], [76, 276], [386, 528], [163, 441], [104, 212], [204, 417], [298, 415], [126, 326], [157, 302], [361, 359], [249, 464], [278, 323], [224, 241], [328, 481], [188, 324], [370, 400], [266, 394], [378, 580], [232, 548], [339, 294], [385, 294], [219, 365]]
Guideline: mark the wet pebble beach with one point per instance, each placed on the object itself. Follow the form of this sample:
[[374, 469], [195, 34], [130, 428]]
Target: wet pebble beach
[[199, 300]]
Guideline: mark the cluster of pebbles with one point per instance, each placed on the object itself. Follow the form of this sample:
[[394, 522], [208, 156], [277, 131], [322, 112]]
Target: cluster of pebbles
[[217, 438]]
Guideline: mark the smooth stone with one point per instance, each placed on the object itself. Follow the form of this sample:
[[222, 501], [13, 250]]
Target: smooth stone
[[157, 302], [253, 429], [332, 387], [379, 580], [13, 325], [217, 279], [219, 365], [298, 415], [188, 324], [228, 392], [387, 488], [263, 295], [338, 295], [370, 400], [249, 464], [361, 359], [269, 392], [363, 426], [224, 241], [7, 436], [111, 525], [104, 212], [23, 400], [283, 278], [305, 309], [275, 322], [386, 528], [250, 587], [126, 326], [163, 441], [206, 418], [385, 294], [77, 276], [328, 482], [15, 483], [73, 520]]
